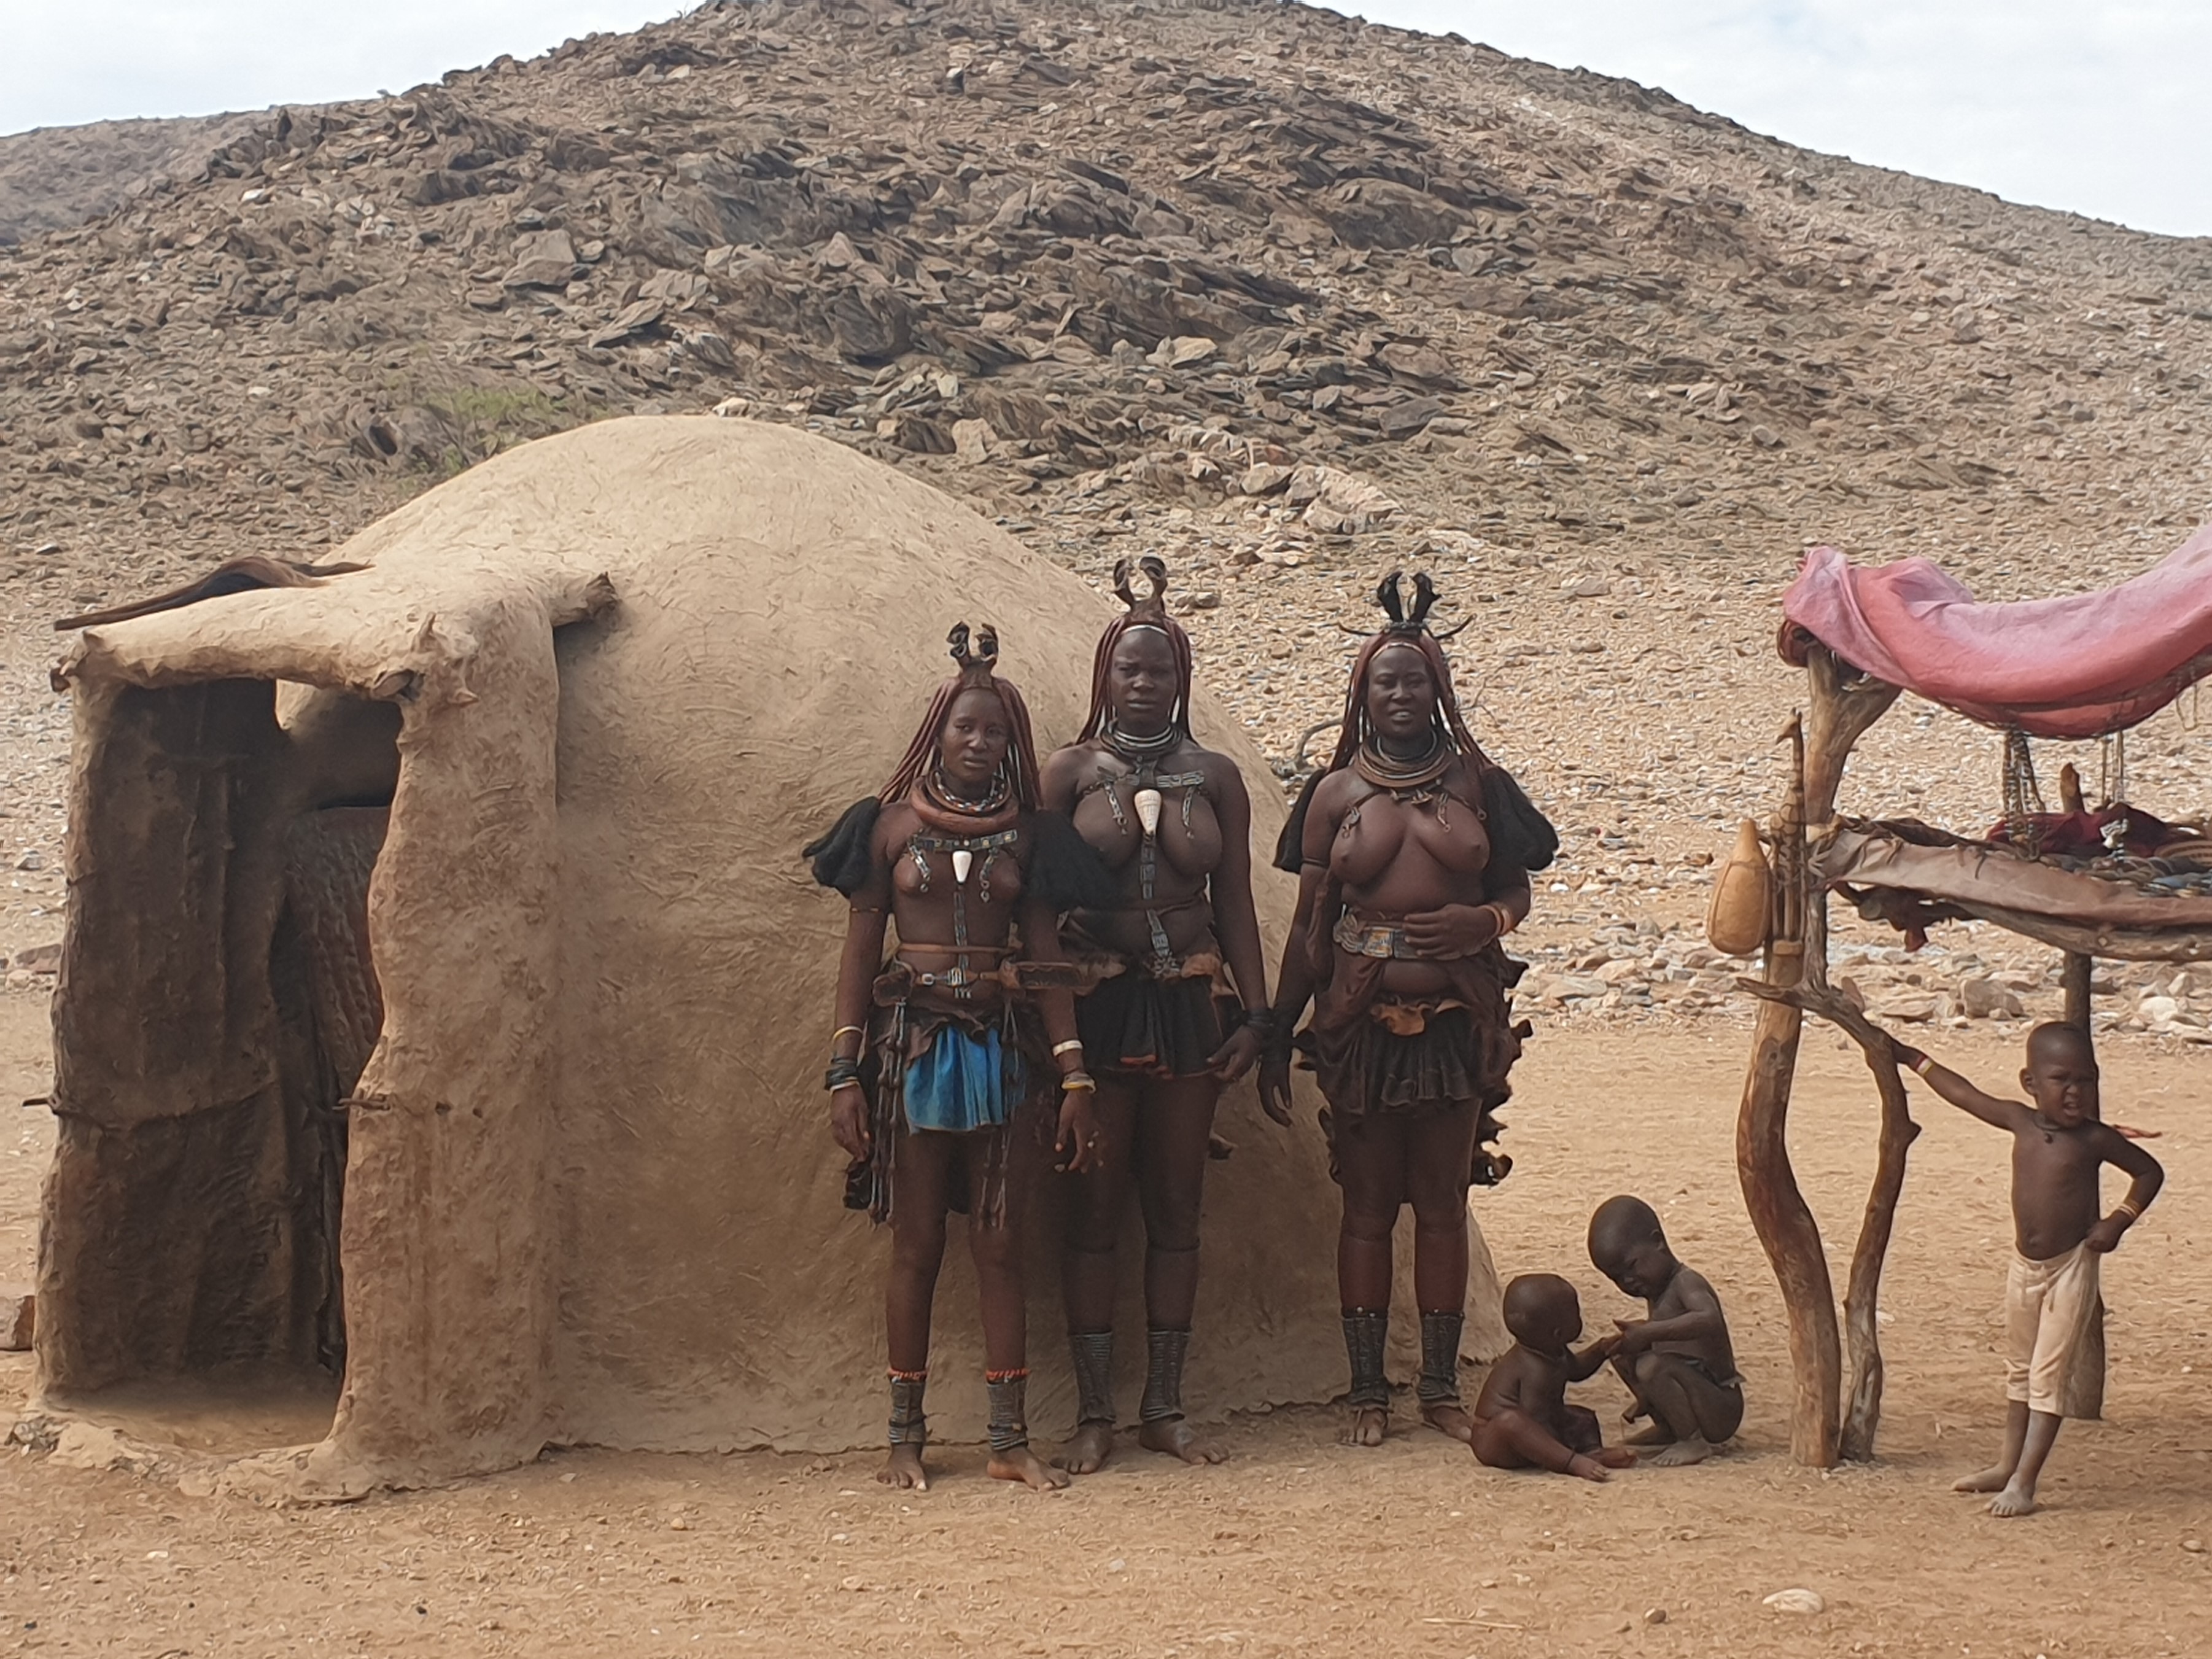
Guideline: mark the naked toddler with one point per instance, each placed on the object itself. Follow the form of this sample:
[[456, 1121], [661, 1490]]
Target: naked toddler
[[1522, 1419], [2058, 1148], [1678, 1361]]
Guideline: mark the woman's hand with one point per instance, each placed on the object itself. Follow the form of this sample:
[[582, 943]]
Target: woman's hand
[[1077, 1142], [1275, 1085], [849, 1119], [1456, 930], [1238, 1055]]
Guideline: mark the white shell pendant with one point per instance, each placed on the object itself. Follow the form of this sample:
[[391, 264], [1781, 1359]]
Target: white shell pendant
[[1147, 802], [963, 862]]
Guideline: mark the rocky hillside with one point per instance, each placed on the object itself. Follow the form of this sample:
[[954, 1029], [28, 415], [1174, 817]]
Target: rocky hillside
[[1284, 295], [57, 178]]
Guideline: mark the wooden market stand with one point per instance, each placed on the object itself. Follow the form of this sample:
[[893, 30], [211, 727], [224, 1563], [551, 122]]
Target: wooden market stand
[[1838, 1370]]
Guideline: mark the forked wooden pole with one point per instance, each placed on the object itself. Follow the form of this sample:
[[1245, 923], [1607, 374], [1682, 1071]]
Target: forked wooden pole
[[2074, 971], [1778, 1212], [2083, 1395], [1862, 1326], [1797, 960]]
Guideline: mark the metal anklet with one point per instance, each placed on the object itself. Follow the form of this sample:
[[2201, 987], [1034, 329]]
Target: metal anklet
[[1093, 1352], [1010, 1417], [1165, 1353], [908, 1427], [1440, 1334], [1366, 1331]]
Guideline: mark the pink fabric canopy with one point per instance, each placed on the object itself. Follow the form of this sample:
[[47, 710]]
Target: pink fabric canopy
[[2074, 667]]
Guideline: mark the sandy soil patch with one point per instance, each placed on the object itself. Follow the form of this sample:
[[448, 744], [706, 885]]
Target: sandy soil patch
[[1298, 1546]]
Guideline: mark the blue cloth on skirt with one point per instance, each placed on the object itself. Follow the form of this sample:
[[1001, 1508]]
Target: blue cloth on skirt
[[964, 1082]]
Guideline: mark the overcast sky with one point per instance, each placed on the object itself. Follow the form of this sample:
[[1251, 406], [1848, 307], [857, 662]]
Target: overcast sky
[[2097, 105]]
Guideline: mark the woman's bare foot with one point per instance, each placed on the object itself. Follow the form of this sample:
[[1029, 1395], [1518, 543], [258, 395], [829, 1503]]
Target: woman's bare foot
[[2014, 1500], [1023, 1465], [1589, 1467], [903, 1469], [1676, 1453], [1086, 1449], [1368, 1426], [1177, 1439], [1616, 1457], [1449, 1417], [1994, 1479]]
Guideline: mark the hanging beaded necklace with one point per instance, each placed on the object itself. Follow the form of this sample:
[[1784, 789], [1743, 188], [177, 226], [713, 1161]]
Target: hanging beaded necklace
[[964, 829], [1143, 756]]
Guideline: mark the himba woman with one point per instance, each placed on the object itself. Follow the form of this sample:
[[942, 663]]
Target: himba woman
[[940, 1057], [1413, 851], [1168, 1025]]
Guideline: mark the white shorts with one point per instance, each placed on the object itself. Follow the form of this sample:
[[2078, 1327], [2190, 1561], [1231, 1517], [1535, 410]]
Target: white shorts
[[2048, 1306]]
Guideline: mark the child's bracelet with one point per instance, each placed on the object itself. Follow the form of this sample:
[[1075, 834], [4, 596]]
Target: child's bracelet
[[1922, 1064]]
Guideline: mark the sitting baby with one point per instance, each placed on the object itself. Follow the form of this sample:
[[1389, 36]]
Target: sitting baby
[[1522, 1419]]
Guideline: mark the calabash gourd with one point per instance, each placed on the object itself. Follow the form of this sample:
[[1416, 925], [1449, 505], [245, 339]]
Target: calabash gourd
[[1738, 916]]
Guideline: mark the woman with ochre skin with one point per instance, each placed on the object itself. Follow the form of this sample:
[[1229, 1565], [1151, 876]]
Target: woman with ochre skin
[[1413, 851], [940, 1052], [1167, 1025]]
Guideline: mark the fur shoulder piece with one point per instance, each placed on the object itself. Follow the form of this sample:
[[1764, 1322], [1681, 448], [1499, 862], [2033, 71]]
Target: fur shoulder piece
[[842, 854]]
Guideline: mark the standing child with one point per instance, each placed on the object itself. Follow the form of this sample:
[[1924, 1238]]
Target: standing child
[[2059, 1146], [1678, 1361]]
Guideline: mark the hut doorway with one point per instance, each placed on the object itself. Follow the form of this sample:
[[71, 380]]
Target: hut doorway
[[217, 1008]]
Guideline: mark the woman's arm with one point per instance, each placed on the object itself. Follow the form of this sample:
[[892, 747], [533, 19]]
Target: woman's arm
[[866, 928], [1507, 884], [1077, 1134], [1467, 930], [1294, 984], [1235, 922]]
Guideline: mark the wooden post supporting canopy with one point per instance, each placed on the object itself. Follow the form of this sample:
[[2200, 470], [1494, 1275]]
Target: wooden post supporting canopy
[[1797, 971], [2084, 1392]]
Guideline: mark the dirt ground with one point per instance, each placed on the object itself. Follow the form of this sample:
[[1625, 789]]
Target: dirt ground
[[1298, 1545]]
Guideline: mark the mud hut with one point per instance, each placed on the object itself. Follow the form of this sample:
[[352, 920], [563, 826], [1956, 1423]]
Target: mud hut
[[443, 1001]]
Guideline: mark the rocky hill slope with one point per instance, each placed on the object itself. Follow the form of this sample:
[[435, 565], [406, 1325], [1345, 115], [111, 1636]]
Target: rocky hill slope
[[1287, 296], [58, 178]]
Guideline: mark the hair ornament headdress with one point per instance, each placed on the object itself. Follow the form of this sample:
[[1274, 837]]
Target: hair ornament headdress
[[1404, 624], [1151, 610], [979, 659]]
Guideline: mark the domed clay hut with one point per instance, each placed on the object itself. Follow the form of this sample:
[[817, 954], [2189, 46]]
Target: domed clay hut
[[444, 1001]]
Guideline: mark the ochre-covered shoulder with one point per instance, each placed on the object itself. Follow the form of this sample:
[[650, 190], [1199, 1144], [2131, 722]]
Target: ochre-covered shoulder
[[1064, 771]]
